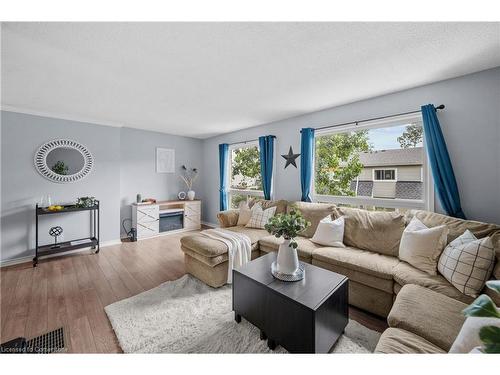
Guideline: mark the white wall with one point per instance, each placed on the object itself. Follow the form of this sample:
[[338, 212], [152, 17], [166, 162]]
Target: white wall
[[470, 124], [124, 166], [138, 167]]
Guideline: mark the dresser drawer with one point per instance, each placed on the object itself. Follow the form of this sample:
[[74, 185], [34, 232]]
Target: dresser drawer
[[148, 229], [192, 207], [146, 214]]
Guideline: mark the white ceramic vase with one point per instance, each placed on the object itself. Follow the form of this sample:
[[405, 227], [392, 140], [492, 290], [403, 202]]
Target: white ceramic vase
[[190, 195], [287, 261]]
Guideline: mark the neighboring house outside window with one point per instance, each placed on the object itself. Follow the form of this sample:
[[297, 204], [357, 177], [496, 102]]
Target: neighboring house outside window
[[245, 177], [391, 174], [378, 166]]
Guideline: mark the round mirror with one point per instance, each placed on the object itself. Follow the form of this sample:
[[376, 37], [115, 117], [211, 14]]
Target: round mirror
[[63, 160]]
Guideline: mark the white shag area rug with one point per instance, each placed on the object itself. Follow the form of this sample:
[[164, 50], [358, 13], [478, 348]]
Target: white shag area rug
[[187, 316]]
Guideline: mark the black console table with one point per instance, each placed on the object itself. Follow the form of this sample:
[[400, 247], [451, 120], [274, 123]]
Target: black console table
[[92, 241]]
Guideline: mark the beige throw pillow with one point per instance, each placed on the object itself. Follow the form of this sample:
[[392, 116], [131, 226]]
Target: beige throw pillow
[[245, 214], [312, 212], [375, 231], [421, 246], [467, 263], [260, 217], [330, 232]]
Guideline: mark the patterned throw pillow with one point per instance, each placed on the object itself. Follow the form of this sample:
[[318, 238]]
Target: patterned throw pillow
[[467, 263], [260, 217]]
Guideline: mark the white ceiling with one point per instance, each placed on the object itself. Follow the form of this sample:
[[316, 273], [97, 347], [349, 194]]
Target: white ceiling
[[202, 79]]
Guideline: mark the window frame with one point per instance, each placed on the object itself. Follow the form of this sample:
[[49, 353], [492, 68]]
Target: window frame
[[427, 203], [230, 190], [385, 169]]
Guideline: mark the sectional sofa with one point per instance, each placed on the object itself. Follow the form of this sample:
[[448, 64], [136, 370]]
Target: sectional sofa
[[378, 279]]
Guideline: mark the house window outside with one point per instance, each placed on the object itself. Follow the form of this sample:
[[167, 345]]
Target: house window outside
[[377, 166], [244, 174], [384, 175]]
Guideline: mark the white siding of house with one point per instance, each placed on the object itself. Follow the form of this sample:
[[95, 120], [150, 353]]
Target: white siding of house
[[384, 189], [366, 174], [409, 173]]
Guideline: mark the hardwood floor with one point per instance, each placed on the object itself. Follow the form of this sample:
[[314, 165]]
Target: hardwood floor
[[72, 291]]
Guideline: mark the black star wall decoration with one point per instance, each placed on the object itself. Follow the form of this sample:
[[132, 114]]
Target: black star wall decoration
[[290, 158]]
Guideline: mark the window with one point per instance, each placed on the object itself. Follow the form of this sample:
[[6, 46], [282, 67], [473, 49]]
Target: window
[[384, 175], [245, 177], [378, 165]]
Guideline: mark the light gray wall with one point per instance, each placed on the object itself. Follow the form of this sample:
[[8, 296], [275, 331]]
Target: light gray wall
[[124, 166], [22, 185], [138, 167], [470, 123]]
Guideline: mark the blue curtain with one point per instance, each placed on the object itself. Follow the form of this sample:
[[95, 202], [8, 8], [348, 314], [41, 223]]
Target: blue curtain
[[266, 146], [223, 160], [442, 170], [306, 162]]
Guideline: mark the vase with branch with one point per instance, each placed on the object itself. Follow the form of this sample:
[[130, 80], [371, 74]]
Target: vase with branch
[[287, 226], [189, 176]]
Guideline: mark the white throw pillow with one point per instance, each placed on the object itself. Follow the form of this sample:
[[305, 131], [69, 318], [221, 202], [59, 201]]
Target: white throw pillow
[[245, 214], [421, 246], [468, 337], [330, 232], [467, 263], [260, 217]]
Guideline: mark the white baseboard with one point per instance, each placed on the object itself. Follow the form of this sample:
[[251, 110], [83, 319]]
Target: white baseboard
[[12, 262]]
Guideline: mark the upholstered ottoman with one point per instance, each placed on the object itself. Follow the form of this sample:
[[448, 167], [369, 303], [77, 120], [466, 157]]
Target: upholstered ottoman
[[207, 259]]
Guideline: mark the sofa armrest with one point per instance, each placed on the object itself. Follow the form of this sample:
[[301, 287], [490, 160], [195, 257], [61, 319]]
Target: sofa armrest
[[228, 218]]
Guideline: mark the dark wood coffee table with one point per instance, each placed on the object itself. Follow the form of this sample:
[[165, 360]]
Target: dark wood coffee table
[[306, 316]]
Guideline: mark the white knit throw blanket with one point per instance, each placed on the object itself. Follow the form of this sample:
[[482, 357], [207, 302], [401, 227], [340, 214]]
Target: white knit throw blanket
[[239, 248]]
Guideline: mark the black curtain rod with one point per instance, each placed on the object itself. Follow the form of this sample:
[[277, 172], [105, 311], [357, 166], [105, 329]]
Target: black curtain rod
[[441, 106], [247, 141]]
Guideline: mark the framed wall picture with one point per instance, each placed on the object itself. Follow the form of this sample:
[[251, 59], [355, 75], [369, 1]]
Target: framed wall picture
[[165, 160]]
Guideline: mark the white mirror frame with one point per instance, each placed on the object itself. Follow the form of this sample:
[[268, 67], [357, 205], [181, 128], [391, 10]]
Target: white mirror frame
[[42, 167]]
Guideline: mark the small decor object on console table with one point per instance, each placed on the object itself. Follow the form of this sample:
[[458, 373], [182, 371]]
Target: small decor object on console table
[[55, 232], [85, 202], [189, 176], [287, 266]]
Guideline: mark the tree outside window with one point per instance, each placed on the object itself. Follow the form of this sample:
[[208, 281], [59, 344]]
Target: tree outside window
[[337, 161]]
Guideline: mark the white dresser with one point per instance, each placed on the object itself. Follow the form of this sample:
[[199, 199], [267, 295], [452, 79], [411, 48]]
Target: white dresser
[[146, 217]]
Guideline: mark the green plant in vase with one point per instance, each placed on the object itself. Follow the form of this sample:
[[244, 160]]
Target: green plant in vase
[[483, 306], [287, 226]]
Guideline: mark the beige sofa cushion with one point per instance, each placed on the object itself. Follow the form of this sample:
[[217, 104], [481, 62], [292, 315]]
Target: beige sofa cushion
[[456, 226], [265, 204], [368, 262], [255, 234], [405, 273], [372, 230], [214, 261], [312, 212], [385, 286], [399, 341], [304, 250], [430, 315], [208, 247]]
